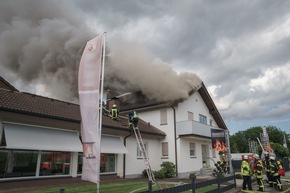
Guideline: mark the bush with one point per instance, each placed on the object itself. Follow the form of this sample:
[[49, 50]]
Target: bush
[[168, 169], [238, 176], [144, 174], [192, 176], [159, 174]]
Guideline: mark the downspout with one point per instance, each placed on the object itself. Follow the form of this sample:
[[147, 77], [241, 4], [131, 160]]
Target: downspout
[[124, 157], [175, 138]]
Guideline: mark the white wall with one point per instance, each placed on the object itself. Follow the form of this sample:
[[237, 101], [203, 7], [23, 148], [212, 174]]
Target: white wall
[[196, 105], [134, 165]]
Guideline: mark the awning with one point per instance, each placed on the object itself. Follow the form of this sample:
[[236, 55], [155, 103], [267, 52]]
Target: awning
[[39, 138], [112, 145]]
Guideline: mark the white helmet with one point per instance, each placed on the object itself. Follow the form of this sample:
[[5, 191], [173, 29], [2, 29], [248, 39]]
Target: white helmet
[[272, 157], [246, 157], [256, 156], [266, 153], [114, 105]]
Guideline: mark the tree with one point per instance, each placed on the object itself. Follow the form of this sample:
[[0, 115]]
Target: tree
[[239, 141]]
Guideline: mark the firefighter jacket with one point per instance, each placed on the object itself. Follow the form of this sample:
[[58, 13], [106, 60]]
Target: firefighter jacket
[[245, 168], [258, 168], [114, 113], [274, 168], [266, 163]]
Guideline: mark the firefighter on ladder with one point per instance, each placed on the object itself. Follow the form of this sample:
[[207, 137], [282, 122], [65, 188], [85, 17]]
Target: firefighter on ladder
[[133, 120]]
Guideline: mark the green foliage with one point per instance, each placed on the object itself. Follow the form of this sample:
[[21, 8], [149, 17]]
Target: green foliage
[[239, 141], [221, 169], [168, 168], [192, 176], [280, 150], [167, 171], [144, 173], [239, 176], [159, 174]]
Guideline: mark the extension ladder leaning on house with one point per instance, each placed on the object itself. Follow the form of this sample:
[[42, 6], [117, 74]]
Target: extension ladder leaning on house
[[144, 154]]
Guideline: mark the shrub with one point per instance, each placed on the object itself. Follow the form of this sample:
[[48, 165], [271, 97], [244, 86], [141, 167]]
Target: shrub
[[168, 169], [238, 176], [159, 174], [144, 174], [192, 176]]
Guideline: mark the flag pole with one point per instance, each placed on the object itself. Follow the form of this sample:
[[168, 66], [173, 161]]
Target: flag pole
[[101, 99]]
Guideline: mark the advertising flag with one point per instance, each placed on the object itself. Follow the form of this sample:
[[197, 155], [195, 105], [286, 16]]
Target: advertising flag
[[89, 85], [218, 140]]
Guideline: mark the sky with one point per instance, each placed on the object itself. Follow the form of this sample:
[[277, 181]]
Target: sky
[[239, 49]]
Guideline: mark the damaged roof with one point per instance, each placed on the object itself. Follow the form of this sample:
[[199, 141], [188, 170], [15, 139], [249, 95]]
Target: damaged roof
[[11, 100]]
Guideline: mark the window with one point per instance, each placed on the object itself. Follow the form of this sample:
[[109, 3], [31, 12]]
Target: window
[[192, 149], [165, 149], [190, 116], [202, 119], [163, 117], [210, 122], [54, 163], [139, 153]]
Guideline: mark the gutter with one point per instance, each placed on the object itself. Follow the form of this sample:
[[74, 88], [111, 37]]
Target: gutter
[[124, 157], [175, 138]]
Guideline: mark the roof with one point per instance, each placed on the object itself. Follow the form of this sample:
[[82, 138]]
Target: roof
[[150, 105], [11, 100], [6, 85]]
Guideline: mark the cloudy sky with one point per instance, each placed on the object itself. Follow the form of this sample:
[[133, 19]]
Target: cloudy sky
[[239, 49]]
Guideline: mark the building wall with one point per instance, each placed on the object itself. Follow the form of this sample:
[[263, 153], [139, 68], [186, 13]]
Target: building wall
[[196, 105], [185, 163], [135, 165]]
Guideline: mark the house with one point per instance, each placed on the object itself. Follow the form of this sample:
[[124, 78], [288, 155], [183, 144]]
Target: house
[[40, 138], [188, 124]]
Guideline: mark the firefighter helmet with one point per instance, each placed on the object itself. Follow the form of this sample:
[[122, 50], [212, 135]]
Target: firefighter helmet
[[256, 156], [246, 157], [272, 157]]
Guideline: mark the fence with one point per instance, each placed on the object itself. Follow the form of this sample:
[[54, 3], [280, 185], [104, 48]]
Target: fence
[[222, 184]]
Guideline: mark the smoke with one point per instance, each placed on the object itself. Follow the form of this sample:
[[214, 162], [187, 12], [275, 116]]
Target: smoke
[[41, 43]]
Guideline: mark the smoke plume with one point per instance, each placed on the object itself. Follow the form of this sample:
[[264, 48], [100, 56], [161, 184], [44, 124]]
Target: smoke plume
[[41, 43]]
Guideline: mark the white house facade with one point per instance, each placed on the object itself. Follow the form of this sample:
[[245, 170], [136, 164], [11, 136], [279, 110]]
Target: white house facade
[[188, 125]]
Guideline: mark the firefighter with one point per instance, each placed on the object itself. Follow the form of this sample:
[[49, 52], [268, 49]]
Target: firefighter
[[274, 173], [246, 173], [258, 171], [114, 113], [133, 119], [266, 162]]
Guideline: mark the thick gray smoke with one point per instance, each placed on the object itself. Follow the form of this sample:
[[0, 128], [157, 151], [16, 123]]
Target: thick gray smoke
[[41, 43]]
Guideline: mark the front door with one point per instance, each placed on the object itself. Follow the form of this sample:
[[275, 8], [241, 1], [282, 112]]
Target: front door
[[205, 155]]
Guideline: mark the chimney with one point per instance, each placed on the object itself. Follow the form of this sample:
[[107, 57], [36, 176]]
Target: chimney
[[113, 101]]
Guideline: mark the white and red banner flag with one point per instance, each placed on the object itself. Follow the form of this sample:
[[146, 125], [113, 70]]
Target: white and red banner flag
[[89, 87]]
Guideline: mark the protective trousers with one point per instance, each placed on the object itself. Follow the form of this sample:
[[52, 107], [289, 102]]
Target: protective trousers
[[261, 184], [277, 182], [247, 181]]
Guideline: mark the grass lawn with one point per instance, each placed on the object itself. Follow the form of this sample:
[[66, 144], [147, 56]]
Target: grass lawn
[[115, 188]]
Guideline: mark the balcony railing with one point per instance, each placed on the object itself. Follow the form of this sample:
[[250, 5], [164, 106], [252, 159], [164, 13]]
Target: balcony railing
[[193, 127]]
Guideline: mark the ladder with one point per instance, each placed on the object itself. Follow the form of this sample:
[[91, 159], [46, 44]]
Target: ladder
[[144, 154], [253, 146]]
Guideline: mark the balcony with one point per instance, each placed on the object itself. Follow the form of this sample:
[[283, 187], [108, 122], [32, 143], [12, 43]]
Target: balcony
[[194, 128]]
